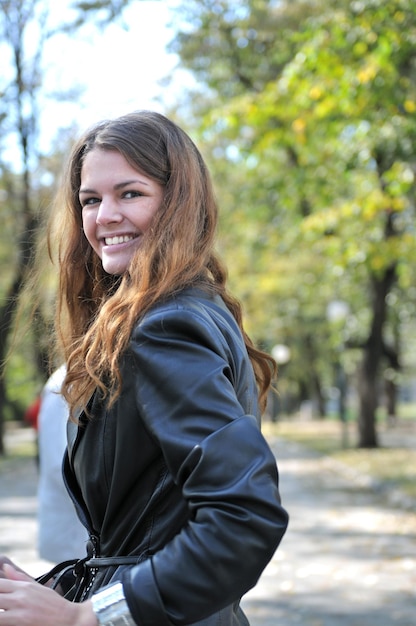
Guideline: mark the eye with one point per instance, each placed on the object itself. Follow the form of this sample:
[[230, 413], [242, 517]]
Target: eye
[[132, 194], [89, 201]]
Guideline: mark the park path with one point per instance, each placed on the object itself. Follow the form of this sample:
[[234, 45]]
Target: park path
[[347, 559]]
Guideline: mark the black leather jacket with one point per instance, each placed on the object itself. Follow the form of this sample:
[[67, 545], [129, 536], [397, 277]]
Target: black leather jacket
[[177, 472]]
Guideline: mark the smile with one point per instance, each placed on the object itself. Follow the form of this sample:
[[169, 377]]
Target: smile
[[113, 241]]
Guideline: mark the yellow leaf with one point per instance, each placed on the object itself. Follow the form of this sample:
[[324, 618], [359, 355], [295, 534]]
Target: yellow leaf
[[366, 74], [410, 106], [299, 125], [315, 93]]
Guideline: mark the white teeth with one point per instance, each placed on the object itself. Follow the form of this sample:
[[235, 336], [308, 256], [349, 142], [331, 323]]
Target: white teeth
[[112, 241]]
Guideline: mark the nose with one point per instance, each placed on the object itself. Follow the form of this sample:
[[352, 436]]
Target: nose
[[108, 212]]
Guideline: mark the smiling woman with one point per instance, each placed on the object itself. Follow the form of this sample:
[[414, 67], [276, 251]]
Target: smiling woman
[[166, 462], [118, 205]]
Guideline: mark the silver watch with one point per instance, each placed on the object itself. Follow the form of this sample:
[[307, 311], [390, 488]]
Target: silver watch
[[111, 608]]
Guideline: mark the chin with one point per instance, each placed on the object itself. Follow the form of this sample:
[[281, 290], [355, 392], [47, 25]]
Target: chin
[[116, 264], [113, 269]]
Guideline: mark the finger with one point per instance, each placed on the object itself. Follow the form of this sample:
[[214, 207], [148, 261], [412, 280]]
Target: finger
[[12, 573], [6, 561], [3, 561]]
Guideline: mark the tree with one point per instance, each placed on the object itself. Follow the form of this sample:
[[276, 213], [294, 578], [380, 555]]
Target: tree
[[323, 142], [360, 105], [20, 86]]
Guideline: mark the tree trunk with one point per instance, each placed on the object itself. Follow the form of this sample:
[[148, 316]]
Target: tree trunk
[[368, 400], [373, 350], [2, 404], [6, 321], [315, 380], [9, 307], [390, 389]]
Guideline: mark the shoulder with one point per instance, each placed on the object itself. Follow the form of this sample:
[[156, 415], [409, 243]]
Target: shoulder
[[192, 313], [190, 340], [54, 382]]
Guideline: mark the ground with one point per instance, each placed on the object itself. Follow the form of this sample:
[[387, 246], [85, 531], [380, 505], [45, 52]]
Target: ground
[[347, 559]]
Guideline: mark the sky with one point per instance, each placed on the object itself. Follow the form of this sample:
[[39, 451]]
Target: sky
[[119, 69]]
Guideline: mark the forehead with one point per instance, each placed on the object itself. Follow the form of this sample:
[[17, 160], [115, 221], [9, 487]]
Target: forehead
[[99, 158], [108, 171], [102, 166]]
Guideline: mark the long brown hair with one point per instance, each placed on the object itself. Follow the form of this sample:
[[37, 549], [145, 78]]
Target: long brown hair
[[96, 311]]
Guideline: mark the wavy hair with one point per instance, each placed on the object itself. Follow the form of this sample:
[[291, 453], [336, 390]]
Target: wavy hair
[[96, 312]]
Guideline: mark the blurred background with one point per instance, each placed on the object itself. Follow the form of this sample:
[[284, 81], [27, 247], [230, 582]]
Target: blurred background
[[306, 114]]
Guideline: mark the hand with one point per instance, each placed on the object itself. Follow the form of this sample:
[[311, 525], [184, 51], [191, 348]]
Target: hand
[[25, 602]]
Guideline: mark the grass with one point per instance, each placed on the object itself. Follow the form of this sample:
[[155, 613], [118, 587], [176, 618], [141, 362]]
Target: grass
[[393, 464]]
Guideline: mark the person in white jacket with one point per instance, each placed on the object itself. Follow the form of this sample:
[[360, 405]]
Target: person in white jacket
[[61, 536]]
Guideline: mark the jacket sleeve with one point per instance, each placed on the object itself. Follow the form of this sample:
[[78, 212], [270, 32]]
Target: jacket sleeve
[[187, 374]]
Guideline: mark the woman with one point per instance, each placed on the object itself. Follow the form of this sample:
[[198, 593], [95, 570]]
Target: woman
[[166, 463]]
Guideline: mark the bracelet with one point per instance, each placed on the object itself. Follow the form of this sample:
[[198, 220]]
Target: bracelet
[[111, 608]]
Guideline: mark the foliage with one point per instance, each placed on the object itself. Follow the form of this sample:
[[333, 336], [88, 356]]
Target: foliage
[[320, 131]]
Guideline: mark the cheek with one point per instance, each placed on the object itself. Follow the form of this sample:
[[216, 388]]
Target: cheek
[[88, 225], [151, 215]]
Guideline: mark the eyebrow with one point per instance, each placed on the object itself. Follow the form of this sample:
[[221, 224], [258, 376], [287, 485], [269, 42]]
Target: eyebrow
[[121, 185]]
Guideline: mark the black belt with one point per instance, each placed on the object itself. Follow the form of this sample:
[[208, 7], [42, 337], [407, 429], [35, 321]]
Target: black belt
[[84, 571]]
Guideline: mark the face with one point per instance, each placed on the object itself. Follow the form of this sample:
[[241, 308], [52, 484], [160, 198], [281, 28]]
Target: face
[[118, 204]]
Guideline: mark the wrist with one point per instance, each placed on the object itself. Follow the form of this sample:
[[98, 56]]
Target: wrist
[[110, 607], [86, 615]]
